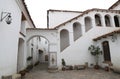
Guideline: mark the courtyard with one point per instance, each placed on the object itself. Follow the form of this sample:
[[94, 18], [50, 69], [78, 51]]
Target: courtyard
[[40, 72]]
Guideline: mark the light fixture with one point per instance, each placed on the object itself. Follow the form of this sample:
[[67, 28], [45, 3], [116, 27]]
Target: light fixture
[[6, 16], [114, 37]]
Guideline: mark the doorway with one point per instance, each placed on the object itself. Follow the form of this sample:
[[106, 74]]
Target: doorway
[[106, 51]]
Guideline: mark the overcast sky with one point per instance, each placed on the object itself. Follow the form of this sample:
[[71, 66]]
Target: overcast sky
[[38, 8]]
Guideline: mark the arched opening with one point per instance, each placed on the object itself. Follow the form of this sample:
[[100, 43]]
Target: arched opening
[[116, 20], [77, 31], [97, 20], [38, 49], [88, 24], [21, 55], [107, 21], [106, 51], [64, 39]]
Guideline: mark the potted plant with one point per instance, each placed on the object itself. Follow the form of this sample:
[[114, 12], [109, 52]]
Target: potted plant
[[29, 58], [95, 51], [23, 72], [63, 64]]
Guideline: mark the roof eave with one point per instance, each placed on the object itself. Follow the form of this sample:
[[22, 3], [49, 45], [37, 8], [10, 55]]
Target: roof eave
[[21, 3], [114, 5]]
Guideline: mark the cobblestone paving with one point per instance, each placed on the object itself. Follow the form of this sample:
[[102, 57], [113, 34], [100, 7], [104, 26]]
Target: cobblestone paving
[[38, 73]]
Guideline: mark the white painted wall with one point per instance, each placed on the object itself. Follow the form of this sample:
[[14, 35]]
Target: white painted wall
[[44, 46], [21, 61], [114, 51], [57, 17], [32, 44], [35, 50], [9, 35], [77, 53]]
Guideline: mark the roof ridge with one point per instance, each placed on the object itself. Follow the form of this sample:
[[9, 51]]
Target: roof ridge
[[85, 12], [41, 29], [107, 34]]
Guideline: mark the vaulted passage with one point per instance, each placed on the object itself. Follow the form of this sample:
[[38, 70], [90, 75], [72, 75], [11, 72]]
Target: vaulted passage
[[38, 50], [43, 48]]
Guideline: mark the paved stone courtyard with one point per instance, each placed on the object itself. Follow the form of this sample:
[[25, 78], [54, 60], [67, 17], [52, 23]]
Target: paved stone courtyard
[[38, 73]]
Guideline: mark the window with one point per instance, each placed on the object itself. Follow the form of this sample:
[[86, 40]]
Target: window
[[77, 31], [116, 20], [46, 57], [88, 23], [97, 20], [64, 39]]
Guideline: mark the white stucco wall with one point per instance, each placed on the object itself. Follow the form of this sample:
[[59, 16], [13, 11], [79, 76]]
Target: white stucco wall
[[114, 50], [9, 35], [35, 50], [57, 17], [21, 55], [43, 45], [77, 53], [32, 44]]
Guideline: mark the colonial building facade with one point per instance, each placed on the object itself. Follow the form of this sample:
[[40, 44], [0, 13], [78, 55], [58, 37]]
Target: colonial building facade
[[67, 36]]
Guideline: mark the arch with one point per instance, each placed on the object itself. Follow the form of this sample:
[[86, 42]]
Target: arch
[[64, 39], [116, 20], [107, 20], [106, 51], [36, 36], [98, 20], [77, 30], [40, 46], [88, 23], [49, 35]]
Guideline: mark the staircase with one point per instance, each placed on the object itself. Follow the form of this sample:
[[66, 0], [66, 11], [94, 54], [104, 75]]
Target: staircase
[[77, 53]]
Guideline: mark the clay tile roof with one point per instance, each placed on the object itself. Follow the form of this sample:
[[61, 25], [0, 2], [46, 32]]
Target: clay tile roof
[[40, 29], [23, 1], [86, 12], [108, 34], [115, 4], [52, 10]]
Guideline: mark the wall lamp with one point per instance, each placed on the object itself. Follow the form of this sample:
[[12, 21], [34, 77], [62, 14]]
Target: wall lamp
[[114, 37], [6, 16]]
